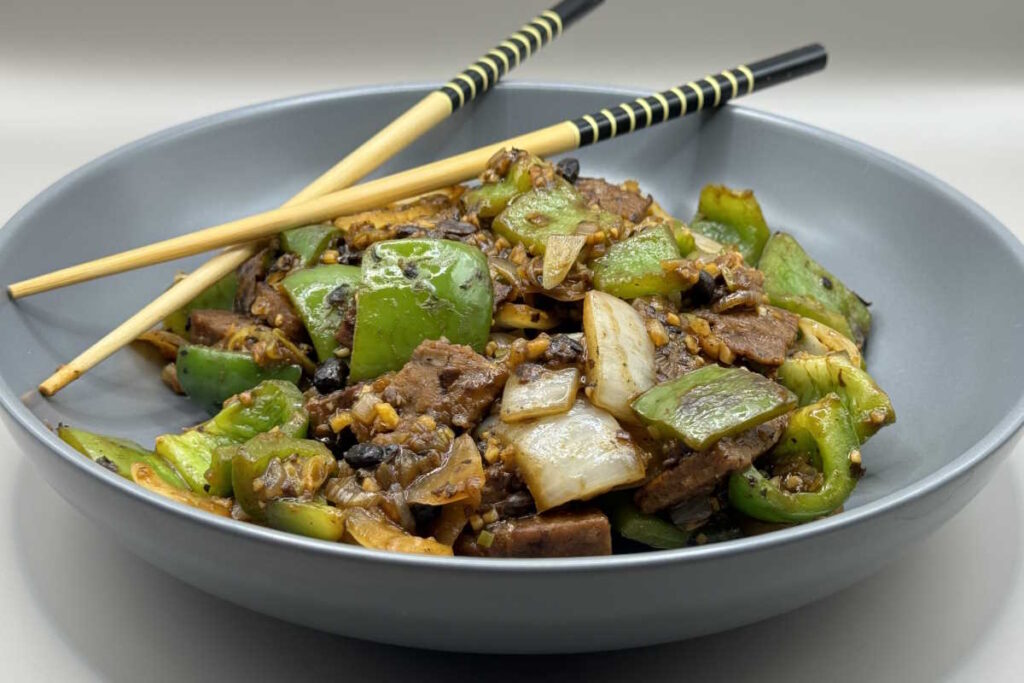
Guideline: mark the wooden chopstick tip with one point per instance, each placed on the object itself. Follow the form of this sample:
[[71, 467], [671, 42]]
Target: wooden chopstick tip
[[64, 376]]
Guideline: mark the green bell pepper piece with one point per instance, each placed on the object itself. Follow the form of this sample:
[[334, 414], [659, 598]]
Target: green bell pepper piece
[[732, 217], [796, 282], [814, 377], [490, 199], [219, 295], [555, 209], [416, 289], [651, 530], [821, 431], [308, 290], [210, 376], [273, 403], [712, 402], [632, 268], [253, 457], [218, 474], [119, 454], [684, 238], [308, 242], [308, 518]]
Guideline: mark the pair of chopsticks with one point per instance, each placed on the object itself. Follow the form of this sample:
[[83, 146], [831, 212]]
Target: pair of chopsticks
[[324, 199]]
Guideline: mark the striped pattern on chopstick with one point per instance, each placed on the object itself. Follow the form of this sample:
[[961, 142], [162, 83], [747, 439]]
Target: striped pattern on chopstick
[[485, 72], [711, 91]]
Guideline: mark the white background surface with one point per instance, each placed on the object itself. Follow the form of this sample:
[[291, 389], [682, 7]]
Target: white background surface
[[932, 83]]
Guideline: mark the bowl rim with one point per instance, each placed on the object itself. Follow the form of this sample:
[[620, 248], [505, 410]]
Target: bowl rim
[[1003, 431]]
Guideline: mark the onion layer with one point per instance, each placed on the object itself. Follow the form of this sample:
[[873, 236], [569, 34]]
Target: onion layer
[[572, 456], [620, 354], [549, 392]]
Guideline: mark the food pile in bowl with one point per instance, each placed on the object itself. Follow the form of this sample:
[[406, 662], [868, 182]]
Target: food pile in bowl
[[539, 365]]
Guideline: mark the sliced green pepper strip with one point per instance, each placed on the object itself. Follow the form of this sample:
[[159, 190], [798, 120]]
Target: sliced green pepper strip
[[732, 217], [210, 376], [490, 199], [632, 268], [270, 404], [821, 431], [710, 403], [308, 290], [416, 289], [254, 456], [309, 242], [219, 295], [651, 530], [796, 282], [813, 377], [555, 209], [118, 454], [308, 518]]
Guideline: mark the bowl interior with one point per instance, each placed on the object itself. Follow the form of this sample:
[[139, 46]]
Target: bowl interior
[[943, 276]]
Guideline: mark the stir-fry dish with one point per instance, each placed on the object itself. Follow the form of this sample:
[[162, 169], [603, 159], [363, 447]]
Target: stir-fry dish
[[538, 365]]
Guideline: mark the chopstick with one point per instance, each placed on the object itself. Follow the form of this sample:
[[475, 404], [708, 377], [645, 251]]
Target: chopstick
[[476, 79], [709, 92]]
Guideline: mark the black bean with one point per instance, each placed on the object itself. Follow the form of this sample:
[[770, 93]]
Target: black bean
[[330, 376], [365, 455], [569, 169], [424, 515], [704, 290]]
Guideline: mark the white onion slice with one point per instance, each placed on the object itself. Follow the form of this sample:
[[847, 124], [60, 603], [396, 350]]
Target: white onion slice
[[548, 393], [572, 456], [620, 354]]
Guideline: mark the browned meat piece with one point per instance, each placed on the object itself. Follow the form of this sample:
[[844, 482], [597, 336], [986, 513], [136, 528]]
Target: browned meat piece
[[452, 383], [249, 273], [697, 474], [207, 326], [674, 358], [321, 406], [763, 335], [553, 534], [623, 200], [273, 308]]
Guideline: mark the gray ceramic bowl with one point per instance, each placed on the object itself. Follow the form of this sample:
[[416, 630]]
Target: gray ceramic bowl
[[945, 278]]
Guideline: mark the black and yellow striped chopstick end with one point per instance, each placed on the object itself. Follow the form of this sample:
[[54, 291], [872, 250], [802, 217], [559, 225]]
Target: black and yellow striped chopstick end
[[709, 92], [537, 33]]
